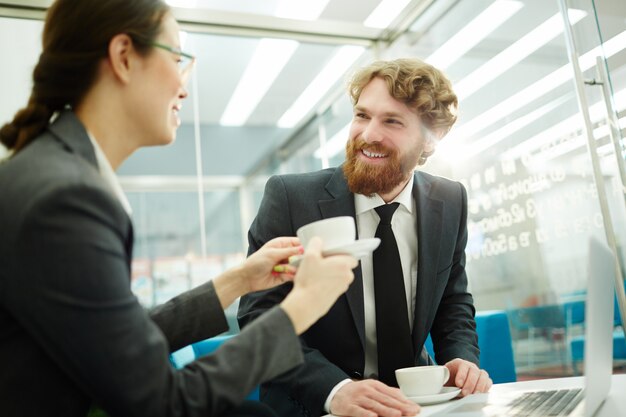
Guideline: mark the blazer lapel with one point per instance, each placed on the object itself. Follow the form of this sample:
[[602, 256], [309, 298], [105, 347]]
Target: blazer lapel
[[429, 227], [69, 130], [342, 204], [72, 133]]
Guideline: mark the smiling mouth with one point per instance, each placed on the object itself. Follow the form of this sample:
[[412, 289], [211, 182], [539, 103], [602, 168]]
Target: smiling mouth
[[370, 154]]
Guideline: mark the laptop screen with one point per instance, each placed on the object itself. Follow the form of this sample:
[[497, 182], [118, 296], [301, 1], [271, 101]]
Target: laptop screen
[[599, 325], [598, 345]]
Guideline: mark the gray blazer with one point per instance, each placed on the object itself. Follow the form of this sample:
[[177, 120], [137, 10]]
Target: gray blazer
[[73, 334], [334, 346]]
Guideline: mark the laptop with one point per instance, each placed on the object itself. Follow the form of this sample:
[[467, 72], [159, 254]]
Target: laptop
[[598, 363]]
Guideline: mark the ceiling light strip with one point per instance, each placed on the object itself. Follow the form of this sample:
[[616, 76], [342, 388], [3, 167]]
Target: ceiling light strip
[[268, 60], [515, 53], [506, 131], [537, 89], [339, 64], [301, 9], [385, 13], [564, 128], [473, 33]]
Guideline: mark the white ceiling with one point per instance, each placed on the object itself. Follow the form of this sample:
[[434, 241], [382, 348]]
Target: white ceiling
[[223, 58]]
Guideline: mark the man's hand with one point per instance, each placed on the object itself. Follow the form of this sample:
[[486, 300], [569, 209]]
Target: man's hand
[[371, 398], [467, 376]]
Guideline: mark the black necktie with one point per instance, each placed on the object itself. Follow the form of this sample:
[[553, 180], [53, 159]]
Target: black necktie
[[393, 333]]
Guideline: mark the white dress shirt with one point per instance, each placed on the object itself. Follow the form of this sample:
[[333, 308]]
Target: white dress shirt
[[404, 226]]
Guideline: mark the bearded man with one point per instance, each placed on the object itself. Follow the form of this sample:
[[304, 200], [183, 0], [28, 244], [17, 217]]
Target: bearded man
[[402, 108]]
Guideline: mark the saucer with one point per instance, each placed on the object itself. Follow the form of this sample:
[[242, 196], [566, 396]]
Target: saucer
[[447, 393], [358, 249]]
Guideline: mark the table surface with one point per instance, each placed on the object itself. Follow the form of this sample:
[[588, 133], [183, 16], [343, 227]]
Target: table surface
[[610, 408]]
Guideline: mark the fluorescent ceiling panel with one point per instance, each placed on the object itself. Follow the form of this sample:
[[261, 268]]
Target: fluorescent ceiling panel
[[385, 13], [268, 60], [474, 32], [565, 128], [435, 11], [456, 152], [506, 59], [327, 77], [537, 89], [301, 9]]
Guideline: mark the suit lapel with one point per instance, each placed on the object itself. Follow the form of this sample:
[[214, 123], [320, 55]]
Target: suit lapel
[[72, 133], [69, 130], [342, 204], [429, 227]]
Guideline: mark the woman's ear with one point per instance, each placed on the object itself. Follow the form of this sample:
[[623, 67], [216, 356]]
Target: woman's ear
[[120, 57]]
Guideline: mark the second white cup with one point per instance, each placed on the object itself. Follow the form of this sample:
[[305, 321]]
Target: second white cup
[[422, 380]]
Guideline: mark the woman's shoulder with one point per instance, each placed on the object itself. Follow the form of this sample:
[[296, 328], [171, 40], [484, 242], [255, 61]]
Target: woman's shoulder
[[43, 170]]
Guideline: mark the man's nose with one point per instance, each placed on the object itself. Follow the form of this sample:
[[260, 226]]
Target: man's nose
[[372, 132]]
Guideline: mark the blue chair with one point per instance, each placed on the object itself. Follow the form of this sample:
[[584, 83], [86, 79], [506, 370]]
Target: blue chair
[[189, 353], [577, 344], [494, 341], [577, 347]]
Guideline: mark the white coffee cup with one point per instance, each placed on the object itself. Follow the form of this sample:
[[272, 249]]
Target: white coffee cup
[[335, 232], [422, 380]]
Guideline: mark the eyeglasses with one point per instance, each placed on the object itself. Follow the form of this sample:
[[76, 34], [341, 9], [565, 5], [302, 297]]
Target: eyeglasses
[[185, 60]]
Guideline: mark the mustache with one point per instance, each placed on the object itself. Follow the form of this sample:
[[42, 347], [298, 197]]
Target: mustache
[[360, 144]]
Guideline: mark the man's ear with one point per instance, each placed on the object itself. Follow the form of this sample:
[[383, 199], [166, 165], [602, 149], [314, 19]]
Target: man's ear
[[430, 145], [121, 54], [432, 138]]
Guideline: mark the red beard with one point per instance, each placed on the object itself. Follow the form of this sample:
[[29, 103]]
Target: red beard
[[370, 179]]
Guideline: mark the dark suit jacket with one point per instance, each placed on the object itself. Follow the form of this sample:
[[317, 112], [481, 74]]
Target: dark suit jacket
[[71, 331], [334, 346]]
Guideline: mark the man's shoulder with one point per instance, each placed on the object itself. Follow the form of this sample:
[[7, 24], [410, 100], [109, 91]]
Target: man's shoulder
[[320, 177], [435, 179], [439, 187]]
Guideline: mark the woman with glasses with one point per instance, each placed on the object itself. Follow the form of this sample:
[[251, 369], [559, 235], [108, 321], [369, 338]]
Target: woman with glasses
[[74, 337]]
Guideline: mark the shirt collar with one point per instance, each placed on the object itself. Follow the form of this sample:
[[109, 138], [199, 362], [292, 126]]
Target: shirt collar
[[363, 203], [107, 173]]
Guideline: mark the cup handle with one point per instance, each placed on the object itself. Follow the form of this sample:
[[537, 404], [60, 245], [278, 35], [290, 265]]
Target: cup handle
[[446, 374]]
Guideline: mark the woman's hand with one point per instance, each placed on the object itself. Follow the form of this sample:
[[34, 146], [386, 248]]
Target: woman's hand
[[269, 266], [257, 272]]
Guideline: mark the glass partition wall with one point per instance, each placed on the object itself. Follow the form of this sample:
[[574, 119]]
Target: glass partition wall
[[520, 147]]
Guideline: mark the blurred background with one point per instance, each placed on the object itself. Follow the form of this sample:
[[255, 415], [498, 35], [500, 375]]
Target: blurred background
[[267, 96]]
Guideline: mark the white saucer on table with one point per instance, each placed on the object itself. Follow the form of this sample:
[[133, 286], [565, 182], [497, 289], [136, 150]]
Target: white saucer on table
[[447, 393], [358, 249]]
